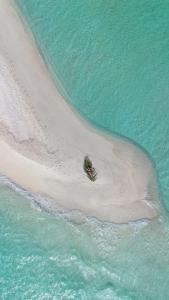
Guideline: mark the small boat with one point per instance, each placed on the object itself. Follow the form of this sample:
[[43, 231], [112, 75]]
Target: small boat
[[89, 169]]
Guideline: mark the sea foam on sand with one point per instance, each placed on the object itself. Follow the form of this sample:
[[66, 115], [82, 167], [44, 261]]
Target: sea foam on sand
[[43, 142]]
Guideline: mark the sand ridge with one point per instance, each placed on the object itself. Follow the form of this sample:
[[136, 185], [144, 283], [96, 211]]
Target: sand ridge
[[34, 113]]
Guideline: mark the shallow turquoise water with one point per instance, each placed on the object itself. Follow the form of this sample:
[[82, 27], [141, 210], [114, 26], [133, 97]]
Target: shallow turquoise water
[[47, 257], [111, 57]]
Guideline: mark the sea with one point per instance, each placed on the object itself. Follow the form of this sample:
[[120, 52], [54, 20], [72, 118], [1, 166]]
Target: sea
[[110, 60]]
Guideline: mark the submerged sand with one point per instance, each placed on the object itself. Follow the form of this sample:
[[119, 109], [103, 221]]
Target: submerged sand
[[43, 142]]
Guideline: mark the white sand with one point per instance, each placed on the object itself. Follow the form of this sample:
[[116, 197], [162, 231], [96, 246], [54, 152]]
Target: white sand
[[43, 142]]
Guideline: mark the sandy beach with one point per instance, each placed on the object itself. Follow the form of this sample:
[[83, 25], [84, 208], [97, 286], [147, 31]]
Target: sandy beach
[[43, 142]]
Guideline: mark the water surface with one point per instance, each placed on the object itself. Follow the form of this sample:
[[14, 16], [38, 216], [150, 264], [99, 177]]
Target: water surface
[[48, 257], [110, 58]]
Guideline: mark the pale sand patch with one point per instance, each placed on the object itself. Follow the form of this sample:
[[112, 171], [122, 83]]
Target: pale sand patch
[[43, 142]]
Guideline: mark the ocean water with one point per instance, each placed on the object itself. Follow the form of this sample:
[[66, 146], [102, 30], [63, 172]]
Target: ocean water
[[43, 256], [110, 59]]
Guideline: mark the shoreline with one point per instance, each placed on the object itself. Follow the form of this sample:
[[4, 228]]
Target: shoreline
[[43, 142], [75, 216]]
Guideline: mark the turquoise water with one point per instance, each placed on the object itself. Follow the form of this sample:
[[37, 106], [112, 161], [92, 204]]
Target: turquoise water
[[111, 57], [47, 257]]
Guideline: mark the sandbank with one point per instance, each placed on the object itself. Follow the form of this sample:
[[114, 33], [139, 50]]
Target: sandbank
[[43, 141]]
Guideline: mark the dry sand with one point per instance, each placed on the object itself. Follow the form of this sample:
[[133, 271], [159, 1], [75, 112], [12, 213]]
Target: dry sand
[[43, 142]]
